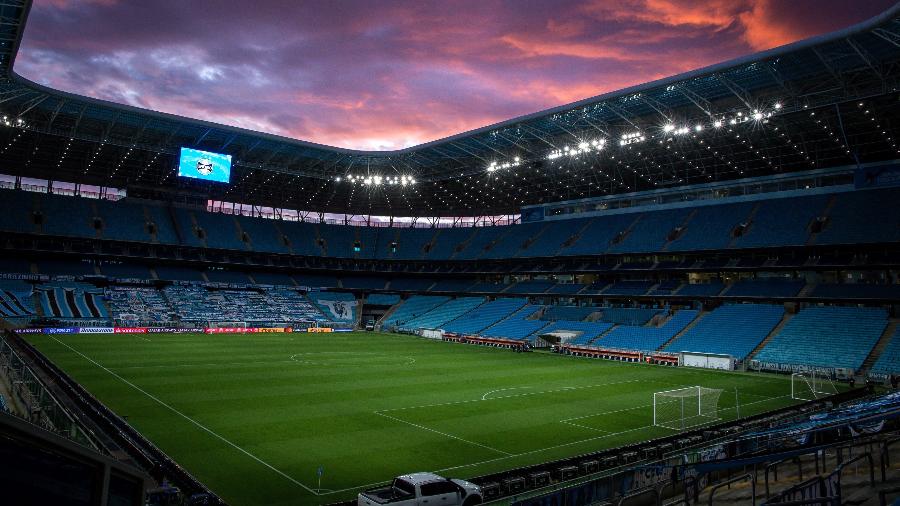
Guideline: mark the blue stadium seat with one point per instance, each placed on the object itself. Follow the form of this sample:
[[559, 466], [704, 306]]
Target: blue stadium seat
[[889, 360], [518, 325], [865, 216], [782, 222], [569, 313], [701, 289], [123, 221], [732, 329], [382, 299], [413, 307], [485, 315], [263, 233], [630, 337], [826, 336], [444, 313], [711, 227], [770, 287]]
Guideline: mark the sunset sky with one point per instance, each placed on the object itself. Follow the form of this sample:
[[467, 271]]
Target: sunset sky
[[386, 75]]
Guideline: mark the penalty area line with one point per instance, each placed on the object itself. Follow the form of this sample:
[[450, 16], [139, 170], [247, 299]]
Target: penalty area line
[[189, 419], [451, 436]]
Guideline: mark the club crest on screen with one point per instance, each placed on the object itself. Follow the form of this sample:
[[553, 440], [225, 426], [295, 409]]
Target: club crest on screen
[[204, 166]]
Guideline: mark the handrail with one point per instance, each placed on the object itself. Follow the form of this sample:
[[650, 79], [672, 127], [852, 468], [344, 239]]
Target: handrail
[[839, 470], [817, 480], [736, 479], [885, 456], [774, 465], [642, 492], [882, 495], [826, 501]]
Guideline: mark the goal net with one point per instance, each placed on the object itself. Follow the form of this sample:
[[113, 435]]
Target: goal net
[[686, 407], [809, 386]]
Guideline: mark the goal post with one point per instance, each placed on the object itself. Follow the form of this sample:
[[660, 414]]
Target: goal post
[[682, 408], [809, 386]]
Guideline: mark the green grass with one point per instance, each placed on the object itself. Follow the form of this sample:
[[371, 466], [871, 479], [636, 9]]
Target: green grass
[[253, 416]]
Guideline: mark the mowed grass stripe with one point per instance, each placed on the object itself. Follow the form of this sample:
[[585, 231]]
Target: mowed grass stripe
[[321, 411]]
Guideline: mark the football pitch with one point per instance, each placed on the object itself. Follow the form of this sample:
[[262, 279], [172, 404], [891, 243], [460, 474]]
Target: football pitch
[[255, 416]]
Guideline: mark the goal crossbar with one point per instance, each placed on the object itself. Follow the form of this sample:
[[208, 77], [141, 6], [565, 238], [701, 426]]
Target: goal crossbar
[[809, 386], [681, 408]]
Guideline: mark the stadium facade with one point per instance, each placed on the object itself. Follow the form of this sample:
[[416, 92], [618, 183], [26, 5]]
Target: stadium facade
[[757, 199]]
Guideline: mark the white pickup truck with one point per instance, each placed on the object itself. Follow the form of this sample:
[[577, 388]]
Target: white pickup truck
[[422, 489]]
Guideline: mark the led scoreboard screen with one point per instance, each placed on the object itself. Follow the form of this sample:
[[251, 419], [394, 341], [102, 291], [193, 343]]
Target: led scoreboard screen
[[205, 165]]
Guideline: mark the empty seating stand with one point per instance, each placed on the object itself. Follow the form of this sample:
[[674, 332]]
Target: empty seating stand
[[646, 338], [16, 299], [826, 336], [586, 331], [732, 329], [517, 325], [484, 316], [889, 360], [766, 288], [443, 313], [569, 313]]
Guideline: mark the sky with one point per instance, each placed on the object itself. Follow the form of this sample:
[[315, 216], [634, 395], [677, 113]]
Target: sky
[[379, 75]]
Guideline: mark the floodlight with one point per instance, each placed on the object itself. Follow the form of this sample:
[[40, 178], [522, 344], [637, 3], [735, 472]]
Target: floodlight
[[668, 128]]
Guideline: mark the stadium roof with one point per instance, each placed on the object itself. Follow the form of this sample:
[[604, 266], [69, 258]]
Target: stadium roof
[[827, 101]]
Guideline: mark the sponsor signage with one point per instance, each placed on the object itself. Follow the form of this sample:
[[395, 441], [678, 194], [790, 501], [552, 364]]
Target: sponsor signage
[[271, 330], [130, 330], [230, 330], [320, 329], [55, 330], [29, 331], [96, 330]]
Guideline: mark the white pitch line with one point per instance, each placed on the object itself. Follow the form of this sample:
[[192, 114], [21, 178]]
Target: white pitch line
[[220, 364], [195, 422], [451, 436], [484, 397], [497, 459], [561, 389]]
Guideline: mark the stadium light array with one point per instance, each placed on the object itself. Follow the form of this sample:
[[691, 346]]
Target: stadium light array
[[631, 138], [504, 165], [376, 180]]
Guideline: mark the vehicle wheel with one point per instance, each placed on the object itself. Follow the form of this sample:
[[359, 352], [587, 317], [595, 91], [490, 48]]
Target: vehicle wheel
[[472, 501]]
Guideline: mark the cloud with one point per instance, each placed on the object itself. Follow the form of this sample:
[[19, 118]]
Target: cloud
[[386, 75]]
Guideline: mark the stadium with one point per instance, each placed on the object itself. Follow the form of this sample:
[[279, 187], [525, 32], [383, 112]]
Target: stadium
[[683, 291]]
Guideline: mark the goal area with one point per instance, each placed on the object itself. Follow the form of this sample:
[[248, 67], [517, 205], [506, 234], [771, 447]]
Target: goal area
[[809, 386], [682, 408]]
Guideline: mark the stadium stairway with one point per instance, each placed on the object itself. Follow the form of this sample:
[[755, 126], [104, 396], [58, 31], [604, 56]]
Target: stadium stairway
[[748, 221], [248, 244], [784, 320], [574, 238], [387, 314], [672, 237], [38, 307], [688, 327], [855, 486], [593, 342], [824, 214], [879, 347], [806, 290]]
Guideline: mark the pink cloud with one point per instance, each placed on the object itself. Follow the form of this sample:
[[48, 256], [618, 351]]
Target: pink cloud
[[386, 75]]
